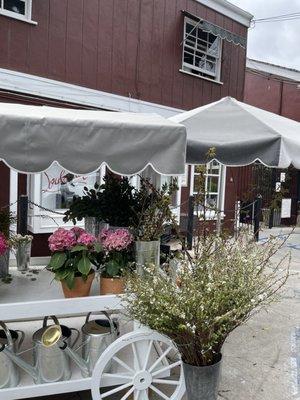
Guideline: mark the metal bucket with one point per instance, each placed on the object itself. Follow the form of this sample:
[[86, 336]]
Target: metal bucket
[[9, 372], [147, 254], [51, 363], [97, 335], [202, 382], [4, 264]]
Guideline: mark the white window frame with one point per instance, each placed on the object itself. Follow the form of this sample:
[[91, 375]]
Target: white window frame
[[187, 68], [211, 214], [25, 18], [41, 221]]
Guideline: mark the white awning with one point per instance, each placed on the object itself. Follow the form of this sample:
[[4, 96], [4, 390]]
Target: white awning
[[241, 135], [33, 137]]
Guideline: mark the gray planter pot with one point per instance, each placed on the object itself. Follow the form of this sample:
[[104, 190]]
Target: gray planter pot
[[23, 253], [93, 226], [4, 264], [202, 383], [147, 253]]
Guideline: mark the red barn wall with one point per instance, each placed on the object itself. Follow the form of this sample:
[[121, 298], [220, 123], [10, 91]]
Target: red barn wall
[[126, 47]]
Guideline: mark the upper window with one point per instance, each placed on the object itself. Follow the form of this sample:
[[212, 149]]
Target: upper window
[[20, 9], [201, 51]]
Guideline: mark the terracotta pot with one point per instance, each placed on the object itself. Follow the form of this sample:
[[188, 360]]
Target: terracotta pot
[[81, 287], [111, 285]]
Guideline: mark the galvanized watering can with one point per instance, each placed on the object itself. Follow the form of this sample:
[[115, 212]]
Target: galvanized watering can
[[10, 340], [50, 363], [97, 335]]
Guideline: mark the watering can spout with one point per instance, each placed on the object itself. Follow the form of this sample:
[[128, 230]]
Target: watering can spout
[[78, 360], [29, 369]]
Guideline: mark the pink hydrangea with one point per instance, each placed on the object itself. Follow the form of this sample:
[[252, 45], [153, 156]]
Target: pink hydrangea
[[77, 231], [3, 244], [61, 240], [116, 240], [86, 239]]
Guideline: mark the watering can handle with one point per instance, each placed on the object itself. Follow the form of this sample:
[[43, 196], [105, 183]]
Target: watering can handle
[[7, 332], [22, 337], [53, 317], [76, 338], [112, 326]]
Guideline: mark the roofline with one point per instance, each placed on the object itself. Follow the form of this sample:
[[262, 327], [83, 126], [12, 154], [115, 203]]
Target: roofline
[[280, 67], [273, 65], [230, 10]]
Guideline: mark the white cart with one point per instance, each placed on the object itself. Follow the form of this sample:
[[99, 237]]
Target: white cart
[[141, 357]]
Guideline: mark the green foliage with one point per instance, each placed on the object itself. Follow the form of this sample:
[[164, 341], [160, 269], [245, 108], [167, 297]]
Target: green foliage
[[69, 264], [89, 205], [117, 201], [213, 292], [152, 211], [6, 219], [117, 263], [113, 202]]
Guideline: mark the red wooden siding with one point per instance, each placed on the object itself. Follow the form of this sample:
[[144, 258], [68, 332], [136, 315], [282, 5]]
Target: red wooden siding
[[127, 47]]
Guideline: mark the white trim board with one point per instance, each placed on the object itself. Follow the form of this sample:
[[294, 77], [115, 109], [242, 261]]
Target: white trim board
[[229, 10], [38, 86]]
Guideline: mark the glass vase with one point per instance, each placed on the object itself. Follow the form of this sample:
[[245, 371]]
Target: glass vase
[[23, 253], [147, 254], [94, 226]]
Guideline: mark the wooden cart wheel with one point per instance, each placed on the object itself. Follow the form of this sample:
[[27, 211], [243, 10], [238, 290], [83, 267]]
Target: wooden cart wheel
[[143, 363]]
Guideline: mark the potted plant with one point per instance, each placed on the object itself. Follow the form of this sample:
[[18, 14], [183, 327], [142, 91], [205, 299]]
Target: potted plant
[[215, 291], [74, 253], [87, 207], [6, 219], [118, 260], [153, 213], [22, 247], [118, 203]]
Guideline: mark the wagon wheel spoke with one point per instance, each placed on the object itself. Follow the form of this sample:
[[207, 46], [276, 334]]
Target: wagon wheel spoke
[[126, 395], [159, 392], [166, 382], [117, 376], [123, 364], [116, 390], [171, 366], [148, 354], [163, 355], [136, 357]]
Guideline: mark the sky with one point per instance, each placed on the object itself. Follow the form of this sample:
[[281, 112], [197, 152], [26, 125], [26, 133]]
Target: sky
[[274, 42]]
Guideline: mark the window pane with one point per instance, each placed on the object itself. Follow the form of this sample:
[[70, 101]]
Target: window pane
[[212, 200], [59, 186], [188, 58], [212, 184], [202, 35], [16, 6], [213, 168], [189, 28]]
